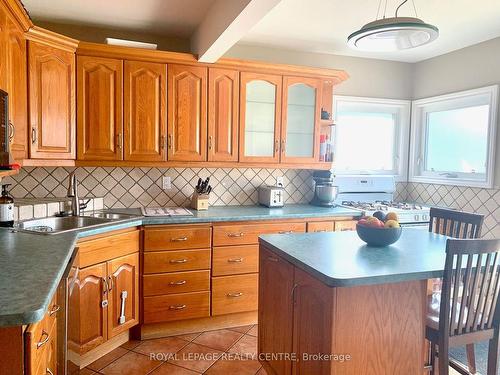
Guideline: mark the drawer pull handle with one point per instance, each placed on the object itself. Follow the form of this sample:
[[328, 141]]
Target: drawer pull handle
[[176, 261], [235, 295], [320, 230], [235, 260], [272, 259], [177, 307], [49, 372], [43, 340], [239, 234], [54, 310], [179, 239], [180, 282], [285, 232]]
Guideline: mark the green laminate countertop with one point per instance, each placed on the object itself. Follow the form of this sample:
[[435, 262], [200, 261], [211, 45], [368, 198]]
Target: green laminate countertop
[[32, 265], [341, 259]]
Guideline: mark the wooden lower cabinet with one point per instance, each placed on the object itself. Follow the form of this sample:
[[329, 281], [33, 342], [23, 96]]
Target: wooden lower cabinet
[[123, 283], [232, 294], [90, 301], [96, 301], [276, 311]]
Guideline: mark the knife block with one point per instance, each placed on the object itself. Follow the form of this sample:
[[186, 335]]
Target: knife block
[[199, 201]]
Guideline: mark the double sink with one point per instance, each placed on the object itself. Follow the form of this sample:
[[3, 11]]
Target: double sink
[[56, 225]]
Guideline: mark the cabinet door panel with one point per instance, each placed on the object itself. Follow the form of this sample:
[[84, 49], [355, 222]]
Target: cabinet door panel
[[275, 308], [260, 117], [144, 106], [313, 304], [99, 83], [300, 120], [187, 113], [92, 323], [123, 276], [52, 107], [18, 95], [223, 96]]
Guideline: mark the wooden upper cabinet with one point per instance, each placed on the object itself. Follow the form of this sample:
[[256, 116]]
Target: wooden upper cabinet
[[260, 117], [187, 113], [91, 308], [145, 123], [17, 89], [300, 124], [123, 281], [100, 126], [223, 97], [51, 102]]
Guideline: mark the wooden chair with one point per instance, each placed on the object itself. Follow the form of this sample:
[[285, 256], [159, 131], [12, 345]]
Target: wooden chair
[[469, 309], [463, 225]]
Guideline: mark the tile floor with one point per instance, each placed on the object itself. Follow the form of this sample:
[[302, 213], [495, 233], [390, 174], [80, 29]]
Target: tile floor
[[224, 351]]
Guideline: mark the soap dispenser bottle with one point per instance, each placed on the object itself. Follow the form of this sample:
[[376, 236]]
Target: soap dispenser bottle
[[6, 208]]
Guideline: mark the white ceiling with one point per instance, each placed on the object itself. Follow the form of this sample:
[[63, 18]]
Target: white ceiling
[[163, 17], [304, 25], [324, 25]]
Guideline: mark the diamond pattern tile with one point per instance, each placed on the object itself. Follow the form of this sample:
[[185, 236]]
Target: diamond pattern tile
[[134, 187]]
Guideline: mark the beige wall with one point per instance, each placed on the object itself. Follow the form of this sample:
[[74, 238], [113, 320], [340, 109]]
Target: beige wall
[[99, 34], [467, 68], [368, 77]]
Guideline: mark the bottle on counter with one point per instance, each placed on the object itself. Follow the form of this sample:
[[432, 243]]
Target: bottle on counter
[[6, 208]]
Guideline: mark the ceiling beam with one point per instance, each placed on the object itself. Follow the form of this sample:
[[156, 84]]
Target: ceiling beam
[[225, 23]]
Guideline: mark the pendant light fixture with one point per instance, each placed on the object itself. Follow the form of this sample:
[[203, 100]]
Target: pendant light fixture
[[393, 34]]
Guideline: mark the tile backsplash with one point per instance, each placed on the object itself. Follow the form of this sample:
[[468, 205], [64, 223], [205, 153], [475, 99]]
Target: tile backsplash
[[484, 201], [136, 187]]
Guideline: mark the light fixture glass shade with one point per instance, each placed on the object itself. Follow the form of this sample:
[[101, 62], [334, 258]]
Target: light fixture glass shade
[[393, 34]]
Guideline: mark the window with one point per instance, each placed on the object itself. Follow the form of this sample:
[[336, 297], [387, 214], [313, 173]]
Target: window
[[454, 138], [371, 136]]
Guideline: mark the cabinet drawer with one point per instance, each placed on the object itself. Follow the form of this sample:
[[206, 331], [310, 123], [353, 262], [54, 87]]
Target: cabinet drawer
[[99, 250], [320, 226], [176, 237], [173, 261], [341, 226], [248, 234], [233, 260], [176, 282], [176, 307], [231, 294]]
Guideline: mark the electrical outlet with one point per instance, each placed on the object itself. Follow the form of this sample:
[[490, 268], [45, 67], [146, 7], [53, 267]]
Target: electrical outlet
[[166, 183], [279, 181]]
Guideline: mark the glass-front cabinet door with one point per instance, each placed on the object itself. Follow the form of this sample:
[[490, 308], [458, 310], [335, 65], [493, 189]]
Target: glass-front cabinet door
[[300, 120], [260, 116]]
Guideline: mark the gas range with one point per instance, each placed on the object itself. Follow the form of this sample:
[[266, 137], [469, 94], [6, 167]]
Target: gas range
[[408, 213], [369, 194]]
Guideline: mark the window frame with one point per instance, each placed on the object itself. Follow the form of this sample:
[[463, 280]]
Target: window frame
[[420, 109], [401, 136]]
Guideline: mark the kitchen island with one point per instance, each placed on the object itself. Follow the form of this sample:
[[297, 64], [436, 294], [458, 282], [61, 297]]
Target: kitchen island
[[330, 304]]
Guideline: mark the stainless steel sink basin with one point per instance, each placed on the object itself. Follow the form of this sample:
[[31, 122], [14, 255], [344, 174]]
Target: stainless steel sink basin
[[110, 215], [54, 225]]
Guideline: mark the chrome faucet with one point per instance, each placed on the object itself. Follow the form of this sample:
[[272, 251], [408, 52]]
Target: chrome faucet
[[73, 194]]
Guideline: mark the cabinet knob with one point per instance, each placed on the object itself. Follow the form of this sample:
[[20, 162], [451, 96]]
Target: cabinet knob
[[180, 282], [54, 310], [234, 295], [110, 286], [119, 141], [283, 143], [33, 135], [162, 142], [12, 131], [49, 372], [169, 141], [210, 142], [43, 339], [179, 239], [177, 307], [276, 146], [177, 261]]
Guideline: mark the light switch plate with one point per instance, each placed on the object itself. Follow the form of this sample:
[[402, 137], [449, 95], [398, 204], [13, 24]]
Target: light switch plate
[[166, 183]]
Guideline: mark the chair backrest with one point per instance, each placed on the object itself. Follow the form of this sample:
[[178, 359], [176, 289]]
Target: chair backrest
[[471, 283], [455, 224]]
